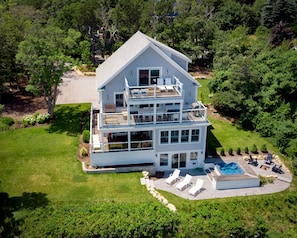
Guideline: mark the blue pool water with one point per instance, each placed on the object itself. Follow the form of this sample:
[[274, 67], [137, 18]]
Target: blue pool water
[[230, 168]]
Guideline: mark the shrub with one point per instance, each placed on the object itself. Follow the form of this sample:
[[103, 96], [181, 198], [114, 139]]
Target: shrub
[[1, 108], [108, 219], [246, 150], [238, 151], [264, 148], [254, 149], [222, 152], [86, 136], [266, 180], [230, 151], [42, 118], [83, 151], [3, 127], [87, 126], [7, 121], [29, 120]]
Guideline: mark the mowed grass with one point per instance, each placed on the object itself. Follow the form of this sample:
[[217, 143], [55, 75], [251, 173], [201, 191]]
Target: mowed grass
[[203, 91], [44, 160], [224, 134]]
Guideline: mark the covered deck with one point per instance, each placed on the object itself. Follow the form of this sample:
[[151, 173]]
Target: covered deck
[[143, 116]]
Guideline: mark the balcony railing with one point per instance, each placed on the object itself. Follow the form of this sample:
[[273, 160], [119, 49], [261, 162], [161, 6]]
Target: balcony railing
[[108, 145], [147, 116], [172, 87]]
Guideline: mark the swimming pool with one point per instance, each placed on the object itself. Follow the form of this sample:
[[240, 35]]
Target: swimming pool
[[229, 168]]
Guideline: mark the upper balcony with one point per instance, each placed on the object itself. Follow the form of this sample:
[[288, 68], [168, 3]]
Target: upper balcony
[[165, 87], [144, 116]]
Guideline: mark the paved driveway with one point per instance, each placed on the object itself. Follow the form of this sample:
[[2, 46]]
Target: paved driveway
[[77, 89]]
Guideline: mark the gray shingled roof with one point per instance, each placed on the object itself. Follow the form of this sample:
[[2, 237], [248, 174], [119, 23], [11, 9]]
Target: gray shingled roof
[[132, 48]]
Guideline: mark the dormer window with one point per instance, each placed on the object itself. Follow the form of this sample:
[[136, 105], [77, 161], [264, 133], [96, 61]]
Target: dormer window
[[148, 76]]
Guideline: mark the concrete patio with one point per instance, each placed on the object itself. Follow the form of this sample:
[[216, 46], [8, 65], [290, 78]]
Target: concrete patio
[[208, 192]]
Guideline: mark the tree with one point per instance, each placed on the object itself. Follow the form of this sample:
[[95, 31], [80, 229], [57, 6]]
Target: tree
[[280, 33], [126, 17], [42, 53], [275, 11], [194, 28], [266, 13], [14, 23]]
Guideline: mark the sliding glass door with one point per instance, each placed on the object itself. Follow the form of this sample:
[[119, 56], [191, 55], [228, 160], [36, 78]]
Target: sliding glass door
[[178, 160]]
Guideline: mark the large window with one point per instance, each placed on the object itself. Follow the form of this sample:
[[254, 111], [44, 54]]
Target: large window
[[179, 136], [148, 76], [195, 135], [141, 140]]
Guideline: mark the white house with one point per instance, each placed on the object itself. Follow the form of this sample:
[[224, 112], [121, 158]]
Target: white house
[[148, 110]]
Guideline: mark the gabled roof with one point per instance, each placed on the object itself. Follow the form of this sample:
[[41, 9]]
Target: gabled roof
[[129, 51]]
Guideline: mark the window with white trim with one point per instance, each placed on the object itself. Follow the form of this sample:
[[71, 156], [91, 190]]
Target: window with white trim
[[184, 136], [195, 135], [179, 136], [148, 76], [164, 139], [174, 136], [194, 155], [163, 159]]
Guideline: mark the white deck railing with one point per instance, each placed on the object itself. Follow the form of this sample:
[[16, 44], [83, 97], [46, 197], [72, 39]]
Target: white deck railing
[[170, 89], [143, 116]]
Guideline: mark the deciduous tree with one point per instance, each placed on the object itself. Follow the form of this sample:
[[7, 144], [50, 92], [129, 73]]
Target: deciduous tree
[[42, 53]]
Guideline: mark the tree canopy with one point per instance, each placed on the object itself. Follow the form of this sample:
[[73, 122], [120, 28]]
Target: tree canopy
[[248, 44], [42, 54]]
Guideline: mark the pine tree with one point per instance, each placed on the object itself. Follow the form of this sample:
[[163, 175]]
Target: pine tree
[[266, 14], [285, 11]]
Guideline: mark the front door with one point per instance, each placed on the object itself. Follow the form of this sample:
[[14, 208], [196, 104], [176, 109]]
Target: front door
[[178, 160]]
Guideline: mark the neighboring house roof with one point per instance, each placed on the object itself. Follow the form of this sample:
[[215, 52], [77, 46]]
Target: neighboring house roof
[[129, 51]]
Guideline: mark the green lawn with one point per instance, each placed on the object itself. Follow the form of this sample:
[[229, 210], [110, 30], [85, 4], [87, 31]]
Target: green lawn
[[224, 134], [44, 159], [203, 91]]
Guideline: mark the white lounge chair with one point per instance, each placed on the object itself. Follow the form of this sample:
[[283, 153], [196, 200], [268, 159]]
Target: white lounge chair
[[173, 177], [168, 81], [185, 183], [197, 187], [96, 142], [169, 85], [160, 81]]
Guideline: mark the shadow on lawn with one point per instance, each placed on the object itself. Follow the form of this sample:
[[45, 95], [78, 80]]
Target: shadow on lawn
[[212, 142], [9, 205], [71, 119]]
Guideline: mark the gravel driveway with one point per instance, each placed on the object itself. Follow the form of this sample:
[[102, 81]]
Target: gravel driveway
[[77, 89]]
